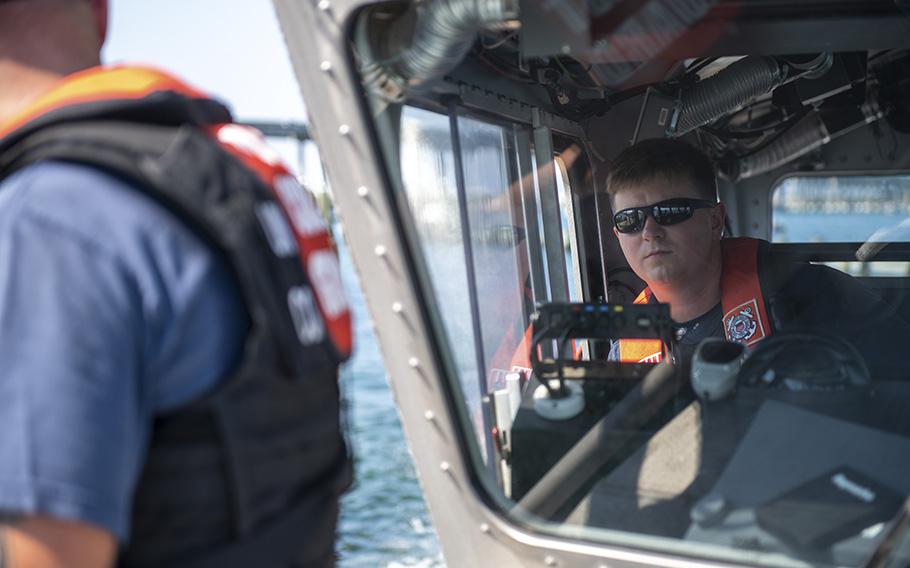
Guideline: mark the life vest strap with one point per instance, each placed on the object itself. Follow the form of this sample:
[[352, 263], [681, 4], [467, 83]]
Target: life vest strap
[[745, 317]]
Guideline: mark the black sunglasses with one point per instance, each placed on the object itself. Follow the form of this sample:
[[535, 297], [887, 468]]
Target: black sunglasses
[[668, 212]]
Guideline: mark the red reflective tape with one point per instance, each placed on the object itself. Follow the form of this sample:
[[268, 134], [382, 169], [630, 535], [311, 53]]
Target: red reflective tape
[[315, 245], [745, 315]]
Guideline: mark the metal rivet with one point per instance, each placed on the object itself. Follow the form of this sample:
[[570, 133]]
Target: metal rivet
[[344, 130], [444, 466], [484, 528], [549, 561], [380, 250], [429, 415], [324, 5], [362, 191], [413, 362], [326, 66], [397, 307], [566, 48]]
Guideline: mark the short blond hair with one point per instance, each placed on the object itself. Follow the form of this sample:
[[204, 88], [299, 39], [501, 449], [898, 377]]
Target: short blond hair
[[662, 158]]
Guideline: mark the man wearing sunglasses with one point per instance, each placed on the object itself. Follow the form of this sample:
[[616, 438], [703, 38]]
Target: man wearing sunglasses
[[670, 228]]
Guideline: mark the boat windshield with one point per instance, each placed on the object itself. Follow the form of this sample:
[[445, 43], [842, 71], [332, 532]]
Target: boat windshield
[[780, 436]]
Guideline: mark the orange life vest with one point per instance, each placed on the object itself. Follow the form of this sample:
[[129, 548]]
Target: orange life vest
[[119, 89], [745, 317]]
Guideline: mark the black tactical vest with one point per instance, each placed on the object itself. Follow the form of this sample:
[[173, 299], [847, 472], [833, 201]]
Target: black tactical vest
[[250, 474]]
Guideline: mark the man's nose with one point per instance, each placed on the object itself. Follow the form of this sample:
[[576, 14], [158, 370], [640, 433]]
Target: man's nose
[[651, 230]]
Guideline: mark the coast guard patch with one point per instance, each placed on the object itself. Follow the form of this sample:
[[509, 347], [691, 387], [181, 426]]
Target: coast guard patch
[[743, 323]]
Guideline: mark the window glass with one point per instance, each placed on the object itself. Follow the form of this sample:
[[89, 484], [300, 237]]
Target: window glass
[[428, 175], [788, 446], [660, 472], [855, 209], [498, 242], [479, 281], [570, 235], [841, 209]]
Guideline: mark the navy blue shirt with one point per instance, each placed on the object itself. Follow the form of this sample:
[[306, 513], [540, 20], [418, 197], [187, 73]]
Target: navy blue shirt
[[111, 311]]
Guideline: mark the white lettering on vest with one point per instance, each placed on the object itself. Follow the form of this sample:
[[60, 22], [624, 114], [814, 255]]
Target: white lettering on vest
[[325, 276], [307, 320], [276, 229], [300, 205]]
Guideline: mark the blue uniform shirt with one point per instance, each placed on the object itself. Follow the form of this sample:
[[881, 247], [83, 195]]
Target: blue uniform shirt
[[111, 311]]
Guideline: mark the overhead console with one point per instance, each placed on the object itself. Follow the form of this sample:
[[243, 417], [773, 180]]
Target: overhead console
[[756, 84], [615, 31]]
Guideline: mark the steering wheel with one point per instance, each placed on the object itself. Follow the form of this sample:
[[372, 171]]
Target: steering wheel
[[805, 361]]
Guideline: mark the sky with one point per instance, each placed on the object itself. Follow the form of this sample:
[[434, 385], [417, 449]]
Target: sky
[[232, 49]]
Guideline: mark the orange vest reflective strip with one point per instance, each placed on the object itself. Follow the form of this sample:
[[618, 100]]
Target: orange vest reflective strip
[[100, 83], [745, 317], [640, 350]]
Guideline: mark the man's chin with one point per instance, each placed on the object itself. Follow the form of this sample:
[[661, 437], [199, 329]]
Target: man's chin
[[664, 275]]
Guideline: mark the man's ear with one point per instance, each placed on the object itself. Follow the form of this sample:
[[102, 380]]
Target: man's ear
[[718, 216], [615, 231], [100, 10]]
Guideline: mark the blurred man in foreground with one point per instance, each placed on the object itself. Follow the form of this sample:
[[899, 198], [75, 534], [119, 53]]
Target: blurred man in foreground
[[171, 320]]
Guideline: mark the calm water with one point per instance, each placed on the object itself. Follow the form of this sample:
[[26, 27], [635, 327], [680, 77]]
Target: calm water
[[384, 521]]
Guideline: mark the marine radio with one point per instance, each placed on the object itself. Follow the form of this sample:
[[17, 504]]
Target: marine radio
[[573, 384], [558, 328]]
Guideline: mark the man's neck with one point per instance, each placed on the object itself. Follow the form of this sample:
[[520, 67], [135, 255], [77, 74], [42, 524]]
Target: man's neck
[[691, 299], [30, 83], [25, 77]]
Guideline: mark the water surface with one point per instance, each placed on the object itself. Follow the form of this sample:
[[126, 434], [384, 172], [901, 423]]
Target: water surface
[[384, 520]]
